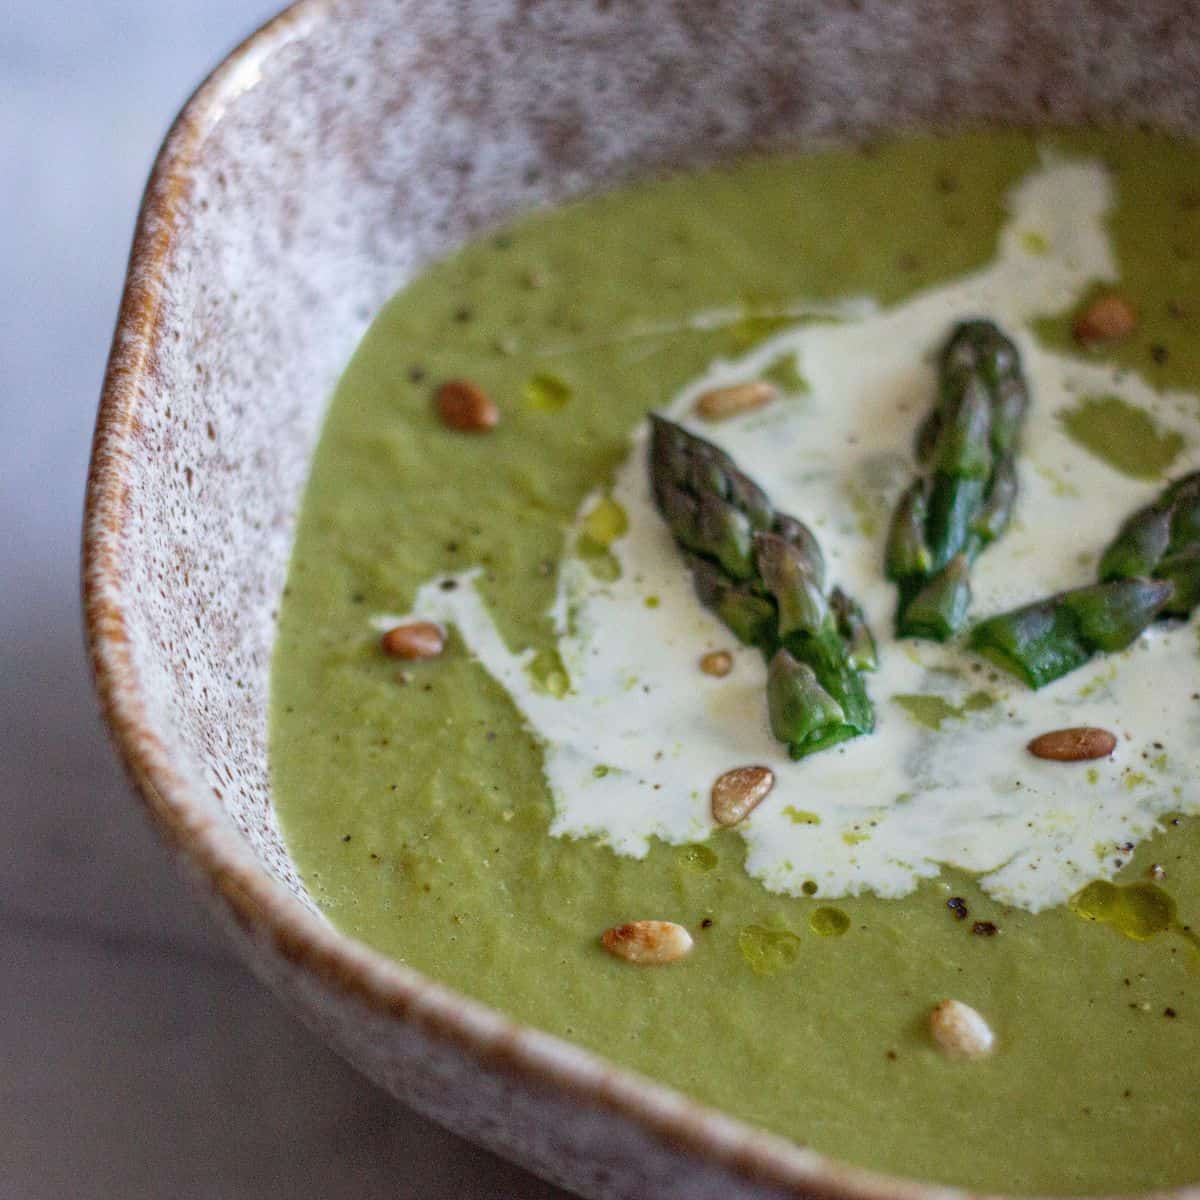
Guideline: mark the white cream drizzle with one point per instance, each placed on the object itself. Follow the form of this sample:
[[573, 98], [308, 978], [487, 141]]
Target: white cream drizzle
[[633, 748]]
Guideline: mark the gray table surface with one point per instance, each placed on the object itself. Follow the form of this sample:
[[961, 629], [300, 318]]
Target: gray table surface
[[137, 1058]]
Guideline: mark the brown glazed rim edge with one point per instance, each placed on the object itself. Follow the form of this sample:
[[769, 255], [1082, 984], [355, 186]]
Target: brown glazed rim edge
[[259, 904]]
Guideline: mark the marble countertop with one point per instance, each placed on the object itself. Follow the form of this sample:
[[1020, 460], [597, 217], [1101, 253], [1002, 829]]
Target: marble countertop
[[137, 1058]]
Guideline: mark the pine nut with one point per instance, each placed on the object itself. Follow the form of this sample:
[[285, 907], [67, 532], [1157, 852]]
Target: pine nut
[[739, 792], [1073, 745], [722, 403], [416, 640], [465, 406], [647, 943], [959, 1031]]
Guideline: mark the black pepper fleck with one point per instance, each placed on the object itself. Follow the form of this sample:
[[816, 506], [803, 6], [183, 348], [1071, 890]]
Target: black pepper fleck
[[1169, 1012], [1159, 353], [985, 928], [958, 906], [462, 315], [416, 374], [706, 923], [345, 837], [448, 585]]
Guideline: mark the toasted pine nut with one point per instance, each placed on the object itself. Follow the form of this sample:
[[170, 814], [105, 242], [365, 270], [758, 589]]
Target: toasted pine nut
[[1107, 319], [417, 639], [465, 406], [959, 1031], [647, 943], [737, 793], [722, 403], [717, 662], [1073, 745]]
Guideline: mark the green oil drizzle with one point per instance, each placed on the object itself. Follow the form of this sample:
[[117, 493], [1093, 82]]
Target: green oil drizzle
[[869, 510], [754, 327], [697, 858], [606, 522], [1058, 485], [547, 393], [1138, 910], [1125, 437], [768, 951], [785, 373], [800, 816], [548, 674], [1101, 681], [931, 711], [601, 563], [829, 922]]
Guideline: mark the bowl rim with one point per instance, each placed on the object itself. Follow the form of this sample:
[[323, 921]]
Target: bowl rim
[[221, 859]]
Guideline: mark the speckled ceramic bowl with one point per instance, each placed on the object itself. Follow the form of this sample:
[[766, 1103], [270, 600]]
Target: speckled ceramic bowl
[[323, 163]]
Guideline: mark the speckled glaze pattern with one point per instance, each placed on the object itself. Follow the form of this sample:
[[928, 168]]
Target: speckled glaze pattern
[[321, 165]]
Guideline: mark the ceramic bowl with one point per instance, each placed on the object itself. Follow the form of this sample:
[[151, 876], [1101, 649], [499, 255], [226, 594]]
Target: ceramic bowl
[[328, 158]]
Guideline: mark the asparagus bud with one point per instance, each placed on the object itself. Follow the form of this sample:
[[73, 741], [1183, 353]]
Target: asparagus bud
[[967, 442], [763, 574]]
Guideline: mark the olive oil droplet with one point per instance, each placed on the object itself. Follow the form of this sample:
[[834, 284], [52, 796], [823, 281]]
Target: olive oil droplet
[[829, 922], [768, 951], [1138, 910]]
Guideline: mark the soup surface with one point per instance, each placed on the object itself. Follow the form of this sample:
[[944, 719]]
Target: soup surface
[[485, 815]]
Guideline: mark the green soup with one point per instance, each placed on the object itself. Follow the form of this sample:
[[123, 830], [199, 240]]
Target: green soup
[[414, 798]]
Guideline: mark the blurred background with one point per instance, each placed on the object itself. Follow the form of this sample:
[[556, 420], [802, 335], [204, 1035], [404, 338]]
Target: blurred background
[[137, 1058]]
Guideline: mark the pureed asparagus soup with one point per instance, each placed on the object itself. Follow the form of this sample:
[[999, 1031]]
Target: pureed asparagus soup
[[902, 936]]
